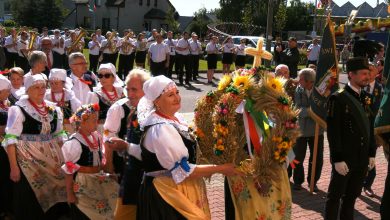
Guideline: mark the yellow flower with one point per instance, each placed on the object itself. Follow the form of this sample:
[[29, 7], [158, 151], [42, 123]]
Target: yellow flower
[[276, 155], [242, 82], [224, 82], [284, 145], [275, 83]]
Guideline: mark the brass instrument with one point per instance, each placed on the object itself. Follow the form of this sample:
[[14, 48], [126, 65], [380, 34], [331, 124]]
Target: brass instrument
[[33, 37], [75, 45], [112, 41], [126, 46]]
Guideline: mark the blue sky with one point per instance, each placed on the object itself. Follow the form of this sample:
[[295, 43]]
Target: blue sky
[[188, 7]]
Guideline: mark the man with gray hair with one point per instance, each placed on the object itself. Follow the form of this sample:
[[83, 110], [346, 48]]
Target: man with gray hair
[[282, 70], [83, 79], [303, 93], [37, 61], [122, 122]]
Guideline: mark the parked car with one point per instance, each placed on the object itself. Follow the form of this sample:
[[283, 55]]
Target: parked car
[[251, 41]]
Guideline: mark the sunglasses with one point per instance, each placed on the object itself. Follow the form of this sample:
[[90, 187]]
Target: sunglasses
[[107, 76]]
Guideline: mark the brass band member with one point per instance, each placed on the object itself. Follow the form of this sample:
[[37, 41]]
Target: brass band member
[[140, 56]]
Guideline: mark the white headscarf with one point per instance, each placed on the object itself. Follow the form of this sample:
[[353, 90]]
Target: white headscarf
[[109, 66], [4, 83], [33, 80], [153, 88], [60, 74]]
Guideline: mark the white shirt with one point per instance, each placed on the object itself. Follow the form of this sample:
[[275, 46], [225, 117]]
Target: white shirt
[[241, 50], [69, 96], [141, 45], [80, 89], [93, 96], [211, 48], [314, 52], [22, 45], [107, 50], [228, 47], [196, 47], [172, 45], [150, 41], [59, 49], [8, 41], [120, 43], [159, 52], [100, 38], [183, 43], [17, 93], [357, 90], [115, 114], [95, 50], [372, 85]]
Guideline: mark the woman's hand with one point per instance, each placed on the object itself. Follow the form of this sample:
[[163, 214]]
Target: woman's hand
[[71, 198], [229, 169], [15, 174], [117, 144]]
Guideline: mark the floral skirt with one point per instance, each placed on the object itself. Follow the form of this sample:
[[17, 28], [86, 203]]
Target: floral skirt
[[96, 194], [269, 200], [40, 159]]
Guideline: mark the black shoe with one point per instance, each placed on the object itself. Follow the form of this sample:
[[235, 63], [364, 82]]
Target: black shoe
[[297, 186], [195, 79], [188, 83], [368, 191], [315, 188]]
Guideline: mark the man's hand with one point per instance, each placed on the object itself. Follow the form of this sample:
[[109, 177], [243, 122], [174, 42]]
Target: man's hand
[[117, 144], [371, 163], [341, 168]]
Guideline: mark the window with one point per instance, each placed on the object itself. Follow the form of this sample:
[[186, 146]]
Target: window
[[106, 23], [140, 2], [148, 2], [155, 3]]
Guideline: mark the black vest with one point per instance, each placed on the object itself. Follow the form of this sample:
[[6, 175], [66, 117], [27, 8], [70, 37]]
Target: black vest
[[33, 126], [86, 157]]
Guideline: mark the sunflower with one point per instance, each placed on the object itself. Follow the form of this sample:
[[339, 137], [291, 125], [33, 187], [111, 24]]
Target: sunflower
[[242, 82], [224, 82], [275, 83]]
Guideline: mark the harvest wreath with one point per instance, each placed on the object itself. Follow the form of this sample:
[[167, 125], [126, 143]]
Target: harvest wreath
[[249, 106]]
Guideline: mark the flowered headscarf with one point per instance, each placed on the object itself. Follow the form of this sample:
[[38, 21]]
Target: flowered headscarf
[[84, 112]]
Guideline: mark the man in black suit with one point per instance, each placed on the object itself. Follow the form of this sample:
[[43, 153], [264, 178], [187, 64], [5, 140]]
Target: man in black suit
[[290, 56], [351, 141]]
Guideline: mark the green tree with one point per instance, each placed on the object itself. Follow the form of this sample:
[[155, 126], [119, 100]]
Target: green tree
[[170, 19], [298, 16], [280, 18], [38, 13], [200, 22]]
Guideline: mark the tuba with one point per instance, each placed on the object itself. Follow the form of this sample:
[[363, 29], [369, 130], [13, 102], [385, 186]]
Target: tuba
[[126, 46], [111, 39], [33, 37], [75, 45]]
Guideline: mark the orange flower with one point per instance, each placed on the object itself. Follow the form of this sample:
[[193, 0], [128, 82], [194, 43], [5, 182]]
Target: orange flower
[[106, 132], [135, 123]]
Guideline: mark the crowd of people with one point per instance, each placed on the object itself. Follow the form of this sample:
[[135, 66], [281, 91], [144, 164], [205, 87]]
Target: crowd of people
[[107, 142]]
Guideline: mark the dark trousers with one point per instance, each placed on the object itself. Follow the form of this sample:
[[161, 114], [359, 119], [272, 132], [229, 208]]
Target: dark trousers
[[311, 62], [194, 66], [22, 62], [346, 188], [113, 57], [58, 60], [300, 153], [172, 59], [106, 58], [93, 63], [183, 62], [124, 65], [369, 178], [385, 204], [12, 59], [158, 68]]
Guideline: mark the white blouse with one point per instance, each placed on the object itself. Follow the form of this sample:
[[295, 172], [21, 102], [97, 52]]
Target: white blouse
[[72, 151], [16, 118], [69, 96], [241, 50], [163, 139], [17, 93], [114, 116], [227, 48], [92, 97]]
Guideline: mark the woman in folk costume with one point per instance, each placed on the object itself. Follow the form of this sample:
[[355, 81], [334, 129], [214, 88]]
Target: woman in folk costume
[[5, 182], [173, 187], [91, 191], [33, 138], [106, 93], [16, 76], [60, 93]]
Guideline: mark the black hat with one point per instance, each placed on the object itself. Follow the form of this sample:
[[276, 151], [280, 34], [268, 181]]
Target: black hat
[[292, 39], [357, 63]]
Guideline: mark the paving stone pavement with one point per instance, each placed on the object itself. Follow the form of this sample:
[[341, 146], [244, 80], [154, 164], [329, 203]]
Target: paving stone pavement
[[311, 206]]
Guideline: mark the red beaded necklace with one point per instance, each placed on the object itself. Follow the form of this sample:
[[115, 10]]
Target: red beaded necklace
[[111, 98], [94, 145], [167, 117], [43, 112], [62, 101]]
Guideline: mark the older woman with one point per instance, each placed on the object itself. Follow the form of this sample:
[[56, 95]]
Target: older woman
[[38, 63], [173, 187], [33, 138], [61, 94], [5, 182], [90, 190], [16, 76]]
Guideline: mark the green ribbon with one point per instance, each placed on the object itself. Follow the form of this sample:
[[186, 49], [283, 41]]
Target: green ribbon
[[63, 132], [258, 117], [10, 136]]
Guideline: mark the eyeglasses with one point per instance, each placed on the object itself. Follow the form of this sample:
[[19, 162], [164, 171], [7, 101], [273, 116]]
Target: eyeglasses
[[83, 63], [107, 76]]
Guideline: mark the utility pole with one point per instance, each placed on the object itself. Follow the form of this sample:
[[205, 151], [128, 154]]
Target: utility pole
[[314, 32], [270, 19]]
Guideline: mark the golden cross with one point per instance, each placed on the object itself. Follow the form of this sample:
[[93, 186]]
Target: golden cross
[[258, 53]]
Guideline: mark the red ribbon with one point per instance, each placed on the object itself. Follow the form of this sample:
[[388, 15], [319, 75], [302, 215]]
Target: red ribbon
[[70, 166], [255, 139], [292, 163], [5, 72], [85, 81]]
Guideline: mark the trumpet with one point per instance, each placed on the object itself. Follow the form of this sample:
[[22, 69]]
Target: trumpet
[[112, 41], [126, 46], [75, 45]]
